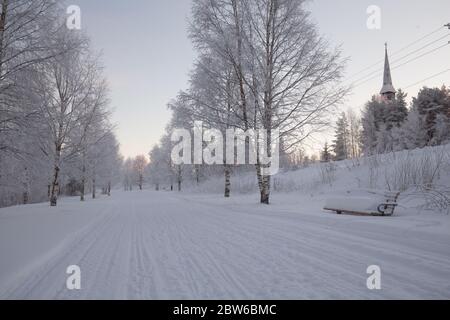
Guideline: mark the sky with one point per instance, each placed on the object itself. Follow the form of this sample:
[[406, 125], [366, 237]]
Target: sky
[[148, 56]]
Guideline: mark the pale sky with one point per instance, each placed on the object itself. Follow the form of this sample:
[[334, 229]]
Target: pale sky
[[148, 56]]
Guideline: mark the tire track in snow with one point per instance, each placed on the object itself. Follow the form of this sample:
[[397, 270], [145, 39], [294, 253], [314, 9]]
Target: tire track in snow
[[349, 246], [39, 277], [160, 245]]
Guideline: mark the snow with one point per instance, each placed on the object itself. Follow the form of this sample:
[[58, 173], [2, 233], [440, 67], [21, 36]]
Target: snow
[[167, 245], [355, 204], [371, 177]]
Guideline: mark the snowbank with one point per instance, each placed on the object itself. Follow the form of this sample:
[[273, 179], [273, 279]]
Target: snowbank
[[415, 173]]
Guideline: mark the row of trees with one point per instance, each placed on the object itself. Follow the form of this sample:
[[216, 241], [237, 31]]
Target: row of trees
[[54, 108], [347, 143], [391, 127], [261, 65], [387, 126]]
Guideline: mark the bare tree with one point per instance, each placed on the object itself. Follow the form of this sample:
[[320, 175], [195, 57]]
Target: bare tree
[[213, 99], [279, 60], [139, 165], [27, 29], [355, 133], [91, 131], [53, 102], [65, 84], [156, 168]]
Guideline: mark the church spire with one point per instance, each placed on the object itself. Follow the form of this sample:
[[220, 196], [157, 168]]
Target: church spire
[[388, 91]]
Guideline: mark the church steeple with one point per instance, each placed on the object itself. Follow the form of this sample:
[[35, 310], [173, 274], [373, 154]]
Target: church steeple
[[388, 91]]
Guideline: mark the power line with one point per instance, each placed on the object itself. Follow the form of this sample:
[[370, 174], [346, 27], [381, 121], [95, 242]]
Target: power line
[[414, 42], [400, 50], [360, 107], [396, 67], [421, 48], [398, 60], [426, 79], [422, 55]]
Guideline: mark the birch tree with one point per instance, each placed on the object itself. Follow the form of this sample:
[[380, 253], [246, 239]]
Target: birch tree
[[53, 103], [156, 169], [282, 66], [354, 133], [103, 161], [139, 165], [65, 84], [92, 130], [213, 99], [28, 37]]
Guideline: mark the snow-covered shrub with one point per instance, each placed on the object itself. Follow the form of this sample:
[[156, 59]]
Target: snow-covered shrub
[[435, 197], [406, 169], [422, 174], [328, 173]]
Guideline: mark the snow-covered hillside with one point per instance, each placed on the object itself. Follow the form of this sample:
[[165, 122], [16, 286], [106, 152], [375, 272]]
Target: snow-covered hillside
[[148, 244], [422, 175]]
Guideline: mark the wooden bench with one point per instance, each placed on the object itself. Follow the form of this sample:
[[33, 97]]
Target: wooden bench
[[385, 208]]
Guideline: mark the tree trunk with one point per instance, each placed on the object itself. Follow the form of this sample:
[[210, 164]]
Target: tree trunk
[[93, 188], [25, 198], [269, 44], [197, 174], [54, 187], [83, 183], [55, 183], [227, 171], [109, 189], [26, 187], [238, 66], [2, 31], [179, 178], [265, 191], [264, 184], [259, 175], [266, 178]]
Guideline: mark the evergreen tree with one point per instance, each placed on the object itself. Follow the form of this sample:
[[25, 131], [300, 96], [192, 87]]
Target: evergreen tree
[[396, 112], [341, 146], [354, 123], [413, 133], [372, 118], [433, 104], [326, 154], [381, 120]]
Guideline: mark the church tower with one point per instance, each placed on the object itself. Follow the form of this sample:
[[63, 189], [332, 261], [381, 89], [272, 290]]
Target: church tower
[[388, 91]]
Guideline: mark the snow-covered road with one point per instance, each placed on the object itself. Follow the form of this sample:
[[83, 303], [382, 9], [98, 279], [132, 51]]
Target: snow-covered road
[[179, 246]]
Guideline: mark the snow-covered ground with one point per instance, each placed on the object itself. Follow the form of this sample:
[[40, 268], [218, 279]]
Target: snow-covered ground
[[399, 171], [163, 245]]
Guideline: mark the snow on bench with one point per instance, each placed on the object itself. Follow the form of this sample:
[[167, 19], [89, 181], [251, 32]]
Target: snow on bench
[[373, 203]]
